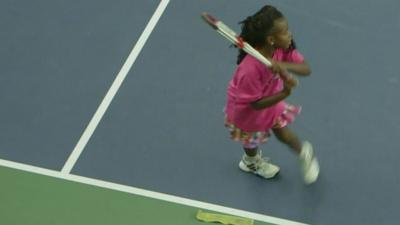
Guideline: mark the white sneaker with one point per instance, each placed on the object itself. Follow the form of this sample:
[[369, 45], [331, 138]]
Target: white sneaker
[[309, 163], [259, 166]]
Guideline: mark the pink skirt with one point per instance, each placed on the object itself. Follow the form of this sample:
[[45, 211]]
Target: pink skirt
[[258, 137]]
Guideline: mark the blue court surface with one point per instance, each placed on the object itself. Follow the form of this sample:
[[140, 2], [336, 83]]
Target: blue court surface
[[131, 93]]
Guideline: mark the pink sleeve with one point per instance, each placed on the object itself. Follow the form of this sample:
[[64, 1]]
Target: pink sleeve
[[293, 56], [249, 88]]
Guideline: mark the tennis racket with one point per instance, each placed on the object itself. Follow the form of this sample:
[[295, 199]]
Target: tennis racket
[[235, 39]]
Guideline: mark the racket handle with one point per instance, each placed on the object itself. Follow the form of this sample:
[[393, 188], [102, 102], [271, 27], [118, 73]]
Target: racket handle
[[251, 51]]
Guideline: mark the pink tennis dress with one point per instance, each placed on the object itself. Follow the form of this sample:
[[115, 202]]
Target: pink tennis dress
[[252, 81]]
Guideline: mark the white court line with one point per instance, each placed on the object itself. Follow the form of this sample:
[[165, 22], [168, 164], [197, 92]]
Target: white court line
[[113, 89], [146, 193]]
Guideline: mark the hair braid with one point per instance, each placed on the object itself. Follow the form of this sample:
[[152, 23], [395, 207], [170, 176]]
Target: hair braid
[[255, 28]]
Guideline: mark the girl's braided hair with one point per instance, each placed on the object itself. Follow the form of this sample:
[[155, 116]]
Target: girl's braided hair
[[257, 27]]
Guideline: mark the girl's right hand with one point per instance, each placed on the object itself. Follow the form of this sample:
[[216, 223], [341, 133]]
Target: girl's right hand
[[289, 82], [278, 68]]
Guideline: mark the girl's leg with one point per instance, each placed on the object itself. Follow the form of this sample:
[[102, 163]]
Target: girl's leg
[[250, 152], [288, 137], [309, 162], [252, 161]]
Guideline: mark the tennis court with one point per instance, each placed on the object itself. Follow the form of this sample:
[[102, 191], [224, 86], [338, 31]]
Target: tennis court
[[112, 114]]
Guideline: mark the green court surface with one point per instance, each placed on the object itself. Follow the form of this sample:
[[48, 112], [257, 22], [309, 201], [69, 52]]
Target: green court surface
[[31, 199]]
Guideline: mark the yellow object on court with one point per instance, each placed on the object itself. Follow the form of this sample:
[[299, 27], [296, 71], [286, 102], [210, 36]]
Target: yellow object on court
[[224, 219]]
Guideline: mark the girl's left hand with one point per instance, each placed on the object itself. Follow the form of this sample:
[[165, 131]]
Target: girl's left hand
[[277, 68]]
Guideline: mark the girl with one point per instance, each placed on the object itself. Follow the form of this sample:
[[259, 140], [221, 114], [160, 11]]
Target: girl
[[255, 94]]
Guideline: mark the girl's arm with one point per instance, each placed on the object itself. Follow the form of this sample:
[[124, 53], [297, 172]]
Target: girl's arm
[[270, 100], [301, 69], [273, 99]]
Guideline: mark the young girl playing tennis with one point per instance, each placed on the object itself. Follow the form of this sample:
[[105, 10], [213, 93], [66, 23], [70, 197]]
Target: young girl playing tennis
[[255, 96]]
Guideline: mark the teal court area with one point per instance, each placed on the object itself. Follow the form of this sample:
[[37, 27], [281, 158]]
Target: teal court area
[[39, 199]]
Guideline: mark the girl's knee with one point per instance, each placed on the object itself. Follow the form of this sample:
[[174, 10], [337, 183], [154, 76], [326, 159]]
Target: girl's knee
[[284, 135]]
